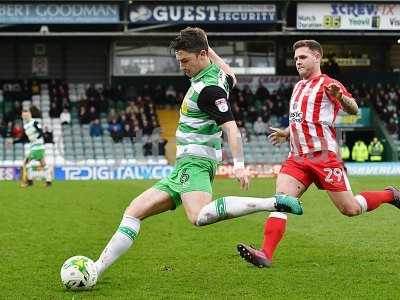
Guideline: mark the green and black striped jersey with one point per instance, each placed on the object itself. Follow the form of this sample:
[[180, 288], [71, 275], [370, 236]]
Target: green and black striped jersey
[[199, 133], [33, 131]]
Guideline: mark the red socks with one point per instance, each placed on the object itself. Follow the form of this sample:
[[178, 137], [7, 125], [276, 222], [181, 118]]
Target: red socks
[[274, 229], [375, 199]]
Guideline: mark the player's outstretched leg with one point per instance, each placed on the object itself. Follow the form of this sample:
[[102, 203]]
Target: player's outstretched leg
[[149, 203], [232, 207], [366, 201], [120, 242], [253, 256]]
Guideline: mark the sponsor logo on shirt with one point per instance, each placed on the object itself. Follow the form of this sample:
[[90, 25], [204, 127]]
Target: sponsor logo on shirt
[[296, 117], [184, 106]]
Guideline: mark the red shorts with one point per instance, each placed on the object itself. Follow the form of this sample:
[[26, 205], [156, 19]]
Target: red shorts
[[325, 169]]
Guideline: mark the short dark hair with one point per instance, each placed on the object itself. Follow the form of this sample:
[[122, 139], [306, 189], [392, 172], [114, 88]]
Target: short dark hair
[[311, 44], [190, 39]]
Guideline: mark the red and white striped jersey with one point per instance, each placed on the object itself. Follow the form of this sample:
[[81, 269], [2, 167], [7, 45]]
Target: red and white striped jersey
[[312, 116]]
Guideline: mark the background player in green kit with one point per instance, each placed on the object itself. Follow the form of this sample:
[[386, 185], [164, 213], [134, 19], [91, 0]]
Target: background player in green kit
[[34, 133], [204, 113]]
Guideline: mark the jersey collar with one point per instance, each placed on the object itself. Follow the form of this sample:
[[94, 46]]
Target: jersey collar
[[203, 72], [315, 78]]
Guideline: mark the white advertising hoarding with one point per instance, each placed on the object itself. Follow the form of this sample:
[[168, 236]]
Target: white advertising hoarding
[[348, 16]]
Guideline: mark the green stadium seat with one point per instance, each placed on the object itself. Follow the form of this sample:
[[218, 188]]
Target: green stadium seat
[[78, 145], [139, 150], [108, 139], [79, 151], [87, 137], [98, 145], [109, 155], [118, 148], [88, 143], [79, 157], [118, 155], [98, 151], [69, 157], [251, 160]]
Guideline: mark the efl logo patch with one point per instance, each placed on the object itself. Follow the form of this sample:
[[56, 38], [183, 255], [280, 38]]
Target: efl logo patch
[[222, 105]]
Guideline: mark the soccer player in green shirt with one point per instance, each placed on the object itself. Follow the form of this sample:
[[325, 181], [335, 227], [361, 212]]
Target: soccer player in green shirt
[[34, 133], [204, 113]]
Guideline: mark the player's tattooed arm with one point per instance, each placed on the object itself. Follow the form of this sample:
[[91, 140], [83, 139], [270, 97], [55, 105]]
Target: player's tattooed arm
[[349, 105]]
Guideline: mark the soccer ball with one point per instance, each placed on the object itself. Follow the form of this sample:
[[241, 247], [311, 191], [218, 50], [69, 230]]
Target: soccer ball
[[78, 273]]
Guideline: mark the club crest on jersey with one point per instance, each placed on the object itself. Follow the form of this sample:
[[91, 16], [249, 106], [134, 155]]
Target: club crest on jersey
[[222, 105], [184, 177]]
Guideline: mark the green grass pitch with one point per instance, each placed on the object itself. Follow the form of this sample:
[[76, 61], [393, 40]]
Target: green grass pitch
[[324, 256]]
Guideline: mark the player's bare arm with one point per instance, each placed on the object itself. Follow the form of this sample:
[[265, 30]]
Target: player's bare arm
[[349, 105], [278, 136], [235, 143], [214, 57]]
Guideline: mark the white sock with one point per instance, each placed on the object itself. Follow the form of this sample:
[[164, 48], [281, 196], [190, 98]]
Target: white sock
[[278, 215], [29, 173], [48, 172], [362, 202], [120, 242], [232, 207]]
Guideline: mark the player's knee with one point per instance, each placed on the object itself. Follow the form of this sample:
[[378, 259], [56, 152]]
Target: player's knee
[[132, 212], [135, 211], [193, 217], [350, 211]]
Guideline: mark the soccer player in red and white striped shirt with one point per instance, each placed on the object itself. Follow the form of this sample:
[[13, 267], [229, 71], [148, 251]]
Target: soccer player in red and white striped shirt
[[314, 158]]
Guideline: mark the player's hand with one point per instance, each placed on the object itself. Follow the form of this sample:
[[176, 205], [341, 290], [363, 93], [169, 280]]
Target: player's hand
[[242, 176], [278, 136], [334, 90]]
